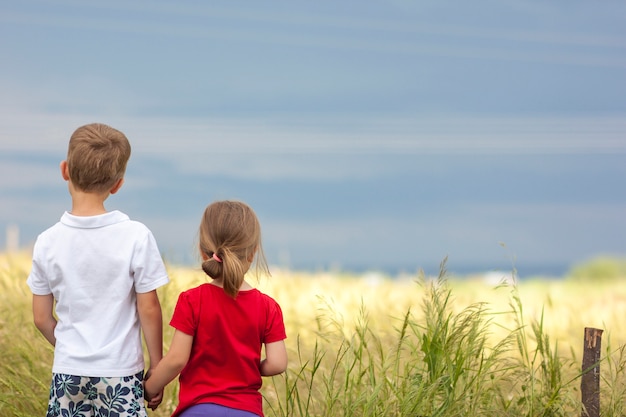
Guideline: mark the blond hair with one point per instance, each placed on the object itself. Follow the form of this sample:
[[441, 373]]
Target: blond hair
[[96, 157], [229, 239]]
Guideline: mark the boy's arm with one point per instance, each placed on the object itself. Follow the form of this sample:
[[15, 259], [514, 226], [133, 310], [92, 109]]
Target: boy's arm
[[43, 317], [275, 361], [150, 316]]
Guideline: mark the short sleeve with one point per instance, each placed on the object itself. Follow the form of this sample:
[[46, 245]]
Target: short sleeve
[[184, 318], [148, 268], [275, 329], [37, 281]]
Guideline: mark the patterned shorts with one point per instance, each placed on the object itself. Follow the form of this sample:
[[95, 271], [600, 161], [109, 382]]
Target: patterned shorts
[[80, 396]]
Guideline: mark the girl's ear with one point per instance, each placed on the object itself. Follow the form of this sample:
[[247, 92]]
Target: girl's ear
[[251, 256], [204, 255]]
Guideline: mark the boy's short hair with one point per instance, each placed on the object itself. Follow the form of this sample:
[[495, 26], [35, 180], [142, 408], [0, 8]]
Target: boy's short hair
[[96, 157]]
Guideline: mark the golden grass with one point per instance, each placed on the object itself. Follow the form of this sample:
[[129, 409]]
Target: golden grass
[[325, 308]]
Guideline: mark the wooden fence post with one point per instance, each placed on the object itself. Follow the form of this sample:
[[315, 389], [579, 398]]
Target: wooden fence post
[[590, 382]]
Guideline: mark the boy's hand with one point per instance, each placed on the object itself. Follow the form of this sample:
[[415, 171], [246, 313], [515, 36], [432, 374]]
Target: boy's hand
[[153, 400]]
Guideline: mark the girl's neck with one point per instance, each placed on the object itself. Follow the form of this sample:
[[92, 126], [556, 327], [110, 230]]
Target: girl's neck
[[219, 283]]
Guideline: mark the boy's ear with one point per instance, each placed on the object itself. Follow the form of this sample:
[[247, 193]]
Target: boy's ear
[[65, 172], [117, 186]]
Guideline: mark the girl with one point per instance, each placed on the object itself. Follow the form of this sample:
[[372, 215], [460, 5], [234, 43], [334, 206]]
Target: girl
[[221, 326]]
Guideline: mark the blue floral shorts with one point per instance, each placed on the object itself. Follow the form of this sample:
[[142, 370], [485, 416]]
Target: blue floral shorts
[[80, 396]]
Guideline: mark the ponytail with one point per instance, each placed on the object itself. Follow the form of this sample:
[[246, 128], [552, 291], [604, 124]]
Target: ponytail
[[230, 237], [228, 267]]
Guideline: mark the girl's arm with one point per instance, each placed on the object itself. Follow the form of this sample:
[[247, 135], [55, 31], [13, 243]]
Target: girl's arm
[[43, 317], [275, 361], [171, 364]]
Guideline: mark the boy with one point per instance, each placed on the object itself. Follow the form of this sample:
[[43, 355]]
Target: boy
[[101, 269]]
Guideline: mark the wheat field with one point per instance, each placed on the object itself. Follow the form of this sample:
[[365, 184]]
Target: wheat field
[[370, 345]]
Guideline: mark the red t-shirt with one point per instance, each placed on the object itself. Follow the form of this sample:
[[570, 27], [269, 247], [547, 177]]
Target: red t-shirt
[[228, 333]]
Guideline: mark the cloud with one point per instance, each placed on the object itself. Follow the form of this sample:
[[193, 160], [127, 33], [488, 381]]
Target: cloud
[[386, 32], [469, 234], [382, 135], [20, 175], [541, 232], [308, 146]]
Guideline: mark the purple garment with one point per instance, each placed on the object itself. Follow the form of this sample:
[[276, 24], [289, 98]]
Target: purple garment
[[214, 410]]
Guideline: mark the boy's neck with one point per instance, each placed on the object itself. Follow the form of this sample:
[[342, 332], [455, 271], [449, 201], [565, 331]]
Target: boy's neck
[[88, 204]]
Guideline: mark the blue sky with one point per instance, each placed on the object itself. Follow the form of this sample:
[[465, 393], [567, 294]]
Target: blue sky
[[366, 135]]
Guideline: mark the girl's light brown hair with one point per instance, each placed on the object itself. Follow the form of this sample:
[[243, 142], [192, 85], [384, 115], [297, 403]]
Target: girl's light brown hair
[[96, 157], [230, 231]]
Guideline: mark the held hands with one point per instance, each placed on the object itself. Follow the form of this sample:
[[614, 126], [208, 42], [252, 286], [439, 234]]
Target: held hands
[[158, 376], [153, 398]]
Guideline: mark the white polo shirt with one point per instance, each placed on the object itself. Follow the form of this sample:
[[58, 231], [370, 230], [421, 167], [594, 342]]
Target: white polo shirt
[[94, 266]]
